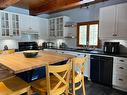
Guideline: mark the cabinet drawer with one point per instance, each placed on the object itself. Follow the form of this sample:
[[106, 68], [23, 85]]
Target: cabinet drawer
[[120, 80], [120, 68], [120, 60]]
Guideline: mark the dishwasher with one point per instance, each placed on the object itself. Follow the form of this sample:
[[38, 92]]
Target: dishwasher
[[101, 69]]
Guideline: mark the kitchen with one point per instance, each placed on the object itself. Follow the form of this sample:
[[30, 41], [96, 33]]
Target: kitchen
[[46, 30]]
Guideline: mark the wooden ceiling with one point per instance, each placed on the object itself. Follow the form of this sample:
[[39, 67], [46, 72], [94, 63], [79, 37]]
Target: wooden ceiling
[[37, 7]]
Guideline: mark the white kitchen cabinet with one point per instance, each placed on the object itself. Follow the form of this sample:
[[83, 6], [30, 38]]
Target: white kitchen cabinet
[[113, 21], [122, 20], [9, 24], [43, 28], [56, 27], [34, 25], [120, 73], [29, 23]]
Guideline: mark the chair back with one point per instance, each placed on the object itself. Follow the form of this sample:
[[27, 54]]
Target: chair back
[[61, 73], [78, 68]]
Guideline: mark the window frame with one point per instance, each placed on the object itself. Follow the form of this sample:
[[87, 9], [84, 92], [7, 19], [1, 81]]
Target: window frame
[[88, 32]]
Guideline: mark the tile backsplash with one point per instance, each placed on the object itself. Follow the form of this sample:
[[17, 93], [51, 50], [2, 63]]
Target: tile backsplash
[[123, 44]]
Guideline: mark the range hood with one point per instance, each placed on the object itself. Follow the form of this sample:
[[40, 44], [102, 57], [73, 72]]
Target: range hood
[[29, 36]]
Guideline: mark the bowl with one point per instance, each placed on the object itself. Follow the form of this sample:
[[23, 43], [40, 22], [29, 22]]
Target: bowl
[[30, 53]]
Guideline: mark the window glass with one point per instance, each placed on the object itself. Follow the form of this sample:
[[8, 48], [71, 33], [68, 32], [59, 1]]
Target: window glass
[[93, 34], [83, 35], [88, 33]]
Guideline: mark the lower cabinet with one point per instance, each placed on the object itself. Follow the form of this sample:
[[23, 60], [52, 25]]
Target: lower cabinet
[[120, 73], [101, 69]]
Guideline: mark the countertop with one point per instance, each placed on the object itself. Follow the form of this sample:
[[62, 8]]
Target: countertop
[[18, 63], [90, 52]]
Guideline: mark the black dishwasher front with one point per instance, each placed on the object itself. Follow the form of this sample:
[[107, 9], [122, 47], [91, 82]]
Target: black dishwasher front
[[101, 69]]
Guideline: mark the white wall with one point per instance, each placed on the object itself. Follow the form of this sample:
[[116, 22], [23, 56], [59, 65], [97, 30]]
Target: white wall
[[89, 13], [17, 10]]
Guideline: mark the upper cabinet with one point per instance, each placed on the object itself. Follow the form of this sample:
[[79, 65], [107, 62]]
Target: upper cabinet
[[113, 22], [56, 27], [29, 24], [9, 24]]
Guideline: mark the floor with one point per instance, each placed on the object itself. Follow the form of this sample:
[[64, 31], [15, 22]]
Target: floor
[[97, 89], [91, 88]]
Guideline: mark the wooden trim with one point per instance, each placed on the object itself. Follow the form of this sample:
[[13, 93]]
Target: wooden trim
[[60, 5], [6, 3], [88, 24]]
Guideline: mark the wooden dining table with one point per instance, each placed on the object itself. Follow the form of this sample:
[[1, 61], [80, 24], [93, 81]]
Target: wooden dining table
[[18, 63]]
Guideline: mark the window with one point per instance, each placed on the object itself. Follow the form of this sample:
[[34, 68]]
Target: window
[[88, 34]]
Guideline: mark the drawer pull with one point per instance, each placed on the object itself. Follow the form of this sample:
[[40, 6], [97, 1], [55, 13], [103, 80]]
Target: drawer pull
[[62, 52], [121, 67], [122, 60], [121, 79]]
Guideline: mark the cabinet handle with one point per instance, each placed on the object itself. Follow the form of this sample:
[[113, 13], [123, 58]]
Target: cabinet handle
[[62, 52], [120, 79], [122, 60], [121, 67]]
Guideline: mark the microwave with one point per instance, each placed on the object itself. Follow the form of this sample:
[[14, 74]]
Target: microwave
[[111, 47]]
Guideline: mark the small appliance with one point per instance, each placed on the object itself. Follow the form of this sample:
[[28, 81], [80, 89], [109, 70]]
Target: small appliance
[[111, 47], [48, 45], [27, 46]]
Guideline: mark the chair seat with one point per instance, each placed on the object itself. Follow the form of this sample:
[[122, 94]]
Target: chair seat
[[41, 84], [13, 85], [4, 73]]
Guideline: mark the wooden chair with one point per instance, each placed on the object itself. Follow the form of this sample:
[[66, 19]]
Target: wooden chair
[[56, 82], [78, 74], [14, 86]]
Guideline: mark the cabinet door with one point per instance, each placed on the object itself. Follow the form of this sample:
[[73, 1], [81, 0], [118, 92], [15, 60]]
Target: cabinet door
[[106, 69], [43, 26], [34, 24], [107, 24], [122, 20], [5, 24], [94, 68], [59, 27], [15, 24], [52, 27], [25, 23]]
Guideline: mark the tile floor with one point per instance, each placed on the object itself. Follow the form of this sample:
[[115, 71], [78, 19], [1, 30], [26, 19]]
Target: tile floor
[[91, 88]]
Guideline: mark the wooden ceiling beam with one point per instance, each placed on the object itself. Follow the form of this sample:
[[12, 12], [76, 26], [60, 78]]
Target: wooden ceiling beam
[[59, 5], [6, 3]]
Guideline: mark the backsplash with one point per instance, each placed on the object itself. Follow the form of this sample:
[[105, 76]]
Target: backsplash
[[123, 44], [12, 44]]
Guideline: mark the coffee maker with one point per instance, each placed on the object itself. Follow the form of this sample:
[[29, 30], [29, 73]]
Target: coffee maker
[[111, 47]]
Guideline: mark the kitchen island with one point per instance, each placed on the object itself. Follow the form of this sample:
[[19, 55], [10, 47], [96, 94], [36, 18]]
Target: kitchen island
[[18, 63]]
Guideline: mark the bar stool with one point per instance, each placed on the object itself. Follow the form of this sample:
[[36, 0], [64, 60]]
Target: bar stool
[[14, 86], [56, 82], [78, 74]]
